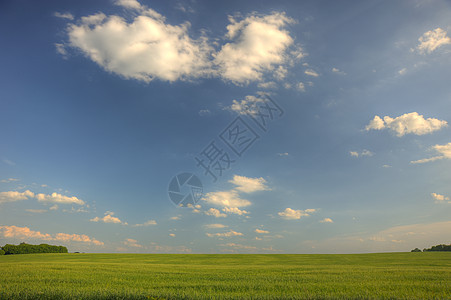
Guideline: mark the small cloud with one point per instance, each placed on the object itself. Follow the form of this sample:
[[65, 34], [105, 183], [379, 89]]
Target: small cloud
[[215, 226], [443, 150], [54, 207], [67, 16], [204, 112], [326, 220], [249, 185], [108, 218], [267, 85], [386, 166], [36, 211], [9, 180], [283, 154], [175, 218], [147, 223], [440, 198], [231, 233], [261, 231], [292, 214], [337, 71], [301, 86], [172, 234], [216, 213], [402, 71], [235, 210], [363, 153], [431, 40], [411, 123], [311, 72], [132, 243]]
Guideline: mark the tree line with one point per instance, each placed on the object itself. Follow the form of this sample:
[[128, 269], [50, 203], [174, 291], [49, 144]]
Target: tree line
[[441, 247], [24, 248]]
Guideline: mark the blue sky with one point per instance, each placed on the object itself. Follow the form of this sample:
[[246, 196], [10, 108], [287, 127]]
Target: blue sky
[[104, 102]]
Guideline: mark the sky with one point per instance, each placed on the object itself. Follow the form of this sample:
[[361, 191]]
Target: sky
[[225, 127]]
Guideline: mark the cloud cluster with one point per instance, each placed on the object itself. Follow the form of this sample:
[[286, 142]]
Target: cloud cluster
[[440, 198], [293, 214], [12, 196], [444, 152], [27, 233], [230, 201], [410, 123], [147, 47], [431, 40]]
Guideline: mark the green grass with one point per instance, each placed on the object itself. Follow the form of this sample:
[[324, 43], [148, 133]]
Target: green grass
[[180, 276]]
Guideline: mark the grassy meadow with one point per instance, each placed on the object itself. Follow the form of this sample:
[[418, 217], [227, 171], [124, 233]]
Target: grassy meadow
[[226, 276]]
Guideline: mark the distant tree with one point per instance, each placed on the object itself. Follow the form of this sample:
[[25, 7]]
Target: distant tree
[[416, 250], [441, 247], [24, 248], [2, 252]]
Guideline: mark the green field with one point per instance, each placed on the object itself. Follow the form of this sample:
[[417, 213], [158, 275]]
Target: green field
[[253, 276]]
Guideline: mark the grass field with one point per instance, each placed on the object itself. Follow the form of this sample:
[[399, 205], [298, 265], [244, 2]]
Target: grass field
[[180, 276]]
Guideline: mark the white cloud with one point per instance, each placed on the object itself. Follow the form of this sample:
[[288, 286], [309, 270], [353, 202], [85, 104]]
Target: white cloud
[[147, 223], [326, 220], [440, 198], [9, 180], [175, 218], [132, 243], [249, 105], [27, 233], [58, 198], [283, 154], [12, 196], [248, 184], [402, 71], [311, 72], [215, 226], [261, 231], [431, 40], [130, 4], [267, 85], [172, 234], [54, 207], [109, 218], [301, 86], [363, 153], [292, 214], [216, 213], [231, 233], [225, 199], [144, 49], [280, 73], [337, 71], [443, 150], [67, 16], [235, 210], [408, 123], [258, 43], [204, 112]]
